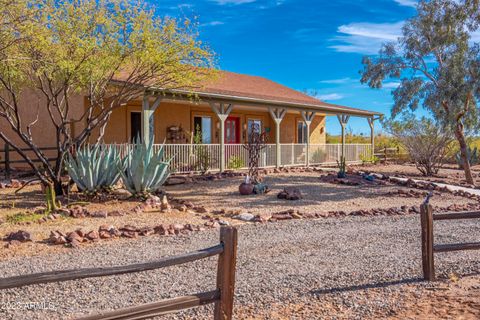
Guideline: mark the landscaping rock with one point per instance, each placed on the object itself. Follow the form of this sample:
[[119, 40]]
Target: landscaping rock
[[244, 216], [116, 213], [57, 238], [290, 193], [99, 214], [20, 235], [14, 183]]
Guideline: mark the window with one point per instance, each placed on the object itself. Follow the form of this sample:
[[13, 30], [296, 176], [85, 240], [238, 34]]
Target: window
[[254, 124], [301, 132], [203, 128]]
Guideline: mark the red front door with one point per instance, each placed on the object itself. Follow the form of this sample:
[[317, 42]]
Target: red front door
[[232, 130]]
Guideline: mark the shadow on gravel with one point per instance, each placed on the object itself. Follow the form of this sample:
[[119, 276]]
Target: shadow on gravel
[[366, 286]]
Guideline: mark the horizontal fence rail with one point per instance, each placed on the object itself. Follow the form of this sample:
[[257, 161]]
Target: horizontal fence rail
[[222, 296], [429, 248]]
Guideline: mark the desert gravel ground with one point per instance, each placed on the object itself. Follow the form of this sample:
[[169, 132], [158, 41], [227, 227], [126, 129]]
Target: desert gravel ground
[[318, 196], [353, 267]]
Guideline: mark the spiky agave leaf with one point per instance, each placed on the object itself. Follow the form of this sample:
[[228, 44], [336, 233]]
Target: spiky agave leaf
[[145, 170], [95, 167]]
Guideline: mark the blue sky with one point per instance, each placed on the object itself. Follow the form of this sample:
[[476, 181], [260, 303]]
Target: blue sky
[[303, 44]]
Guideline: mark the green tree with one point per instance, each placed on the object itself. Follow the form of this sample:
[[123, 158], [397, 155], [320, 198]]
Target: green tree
[[438, 65], [105, 50]]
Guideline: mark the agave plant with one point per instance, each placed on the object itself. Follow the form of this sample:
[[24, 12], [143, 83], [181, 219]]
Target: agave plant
[[95, 168], [145, 169]]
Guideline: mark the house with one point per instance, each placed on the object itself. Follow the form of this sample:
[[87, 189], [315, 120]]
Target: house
[[222, 115]]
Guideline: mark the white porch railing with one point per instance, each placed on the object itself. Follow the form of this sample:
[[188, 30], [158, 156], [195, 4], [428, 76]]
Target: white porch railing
[[192, 157]]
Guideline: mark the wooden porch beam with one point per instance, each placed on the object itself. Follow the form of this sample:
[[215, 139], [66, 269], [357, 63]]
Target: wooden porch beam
[[307, 118], [343, 119], [222, 110], [147, 119], [277, 116]]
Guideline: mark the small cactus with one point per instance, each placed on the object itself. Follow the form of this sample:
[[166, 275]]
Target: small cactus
[[342, 167]]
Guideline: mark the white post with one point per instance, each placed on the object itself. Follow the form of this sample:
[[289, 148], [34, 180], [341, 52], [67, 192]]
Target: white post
[[343, 119], [222, 111], [307, 118], [371, 122], [147, 119], [277, 116]]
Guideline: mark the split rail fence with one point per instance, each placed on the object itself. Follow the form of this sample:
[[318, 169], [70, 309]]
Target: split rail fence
[[427, 218], [222, 296]]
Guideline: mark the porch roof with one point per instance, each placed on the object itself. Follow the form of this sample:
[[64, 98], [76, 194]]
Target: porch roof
[[230, 87]]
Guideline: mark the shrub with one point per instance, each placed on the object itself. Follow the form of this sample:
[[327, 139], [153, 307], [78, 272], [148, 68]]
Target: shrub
[[318, 156], [235, 163], [426, 142]]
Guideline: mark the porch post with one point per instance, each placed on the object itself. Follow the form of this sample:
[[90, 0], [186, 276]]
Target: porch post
[[307, 118], [277, 116], [343, 119], [147, 117], [222, 111], [371, 122]]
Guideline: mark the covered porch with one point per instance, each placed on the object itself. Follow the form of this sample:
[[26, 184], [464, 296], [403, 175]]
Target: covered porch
[[223, 137]]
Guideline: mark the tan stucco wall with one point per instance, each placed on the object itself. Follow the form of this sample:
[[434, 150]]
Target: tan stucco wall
[[32, 104], [181, 114]]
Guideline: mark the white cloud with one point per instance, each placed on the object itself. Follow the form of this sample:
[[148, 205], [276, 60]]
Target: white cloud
[[366, 38], [222, 2], [329, 96], [407, 3], [338, 81], [390, 85], [475, 36], [212, 23]]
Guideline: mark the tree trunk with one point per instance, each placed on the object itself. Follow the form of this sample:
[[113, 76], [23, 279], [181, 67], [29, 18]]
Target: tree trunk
[[464, 153]]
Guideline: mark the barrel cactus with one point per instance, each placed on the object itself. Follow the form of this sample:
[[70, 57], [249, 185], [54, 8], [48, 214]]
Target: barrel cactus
[[145, 169], [94, 168]]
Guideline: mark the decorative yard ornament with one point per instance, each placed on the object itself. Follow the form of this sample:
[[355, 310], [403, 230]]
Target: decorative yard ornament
[[437, 64], [256, 142]]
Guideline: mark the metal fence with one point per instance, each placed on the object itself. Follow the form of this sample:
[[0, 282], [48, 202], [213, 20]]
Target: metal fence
[[195, 157]]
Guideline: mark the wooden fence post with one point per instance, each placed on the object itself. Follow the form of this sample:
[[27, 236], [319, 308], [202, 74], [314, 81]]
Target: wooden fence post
[[226, 274], [426, 218], [7, 161]]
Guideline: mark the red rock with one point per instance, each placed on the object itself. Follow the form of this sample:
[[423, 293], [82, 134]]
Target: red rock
[[128, 228], [200, 209], [161, 230], [116, 213], [99, 214], [178, 227], [93, 235], [104, 234], [75, 243], [146, 231], [57, 238], [20, 235], [74, 236], [281, 216], [129, 234]]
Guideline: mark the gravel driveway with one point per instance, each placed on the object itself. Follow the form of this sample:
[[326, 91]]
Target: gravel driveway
[[336, 262]]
